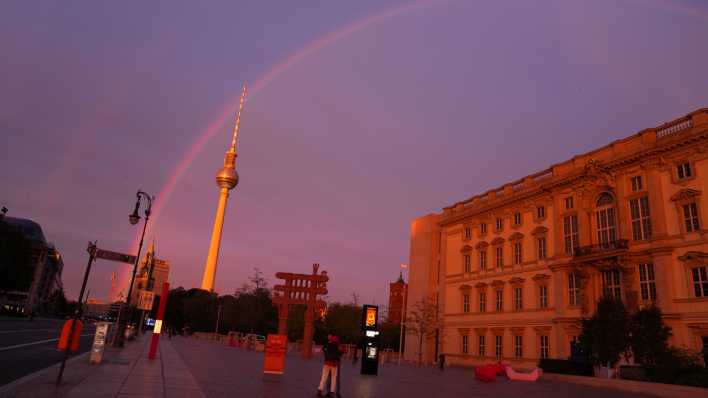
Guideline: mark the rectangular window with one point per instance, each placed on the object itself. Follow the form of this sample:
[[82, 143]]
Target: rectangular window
[[611, 284], [684, 170], [569, 203], [518, 253], [540, 212], [636, 183], [468, 233], [690, 217], [606, 230], [500, 224], [517, 218], [468, 262], [544, 346], [482, 346], [518, 299], [573, 289], [483, 260], [498, 347], [700, 282], [647, 284], [465, 344], [541, 247], [518, 346], [641, 221], [570, 233], [543, 296], [483, 228], [465, 303], [483, 301], [500, 256], [500, 300]]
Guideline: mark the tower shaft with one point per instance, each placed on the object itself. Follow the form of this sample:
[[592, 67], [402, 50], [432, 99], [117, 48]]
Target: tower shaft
[[213, 257]]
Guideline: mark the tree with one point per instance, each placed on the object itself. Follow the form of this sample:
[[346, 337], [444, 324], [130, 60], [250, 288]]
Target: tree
[[390, 335], [648, 336], [343, 321], [423, 321], [605, 335]]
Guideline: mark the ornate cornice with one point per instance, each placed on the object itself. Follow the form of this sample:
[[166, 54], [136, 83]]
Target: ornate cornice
[[685, 195]]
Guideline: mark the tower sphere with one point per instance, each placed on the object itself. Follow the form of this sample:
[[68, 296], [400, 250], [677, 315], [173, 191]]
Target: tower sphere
[[227, 178]]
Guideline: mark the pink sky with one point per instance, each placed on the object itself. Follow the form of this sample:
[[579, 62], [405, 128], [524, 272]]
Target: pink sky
[[373, 114]]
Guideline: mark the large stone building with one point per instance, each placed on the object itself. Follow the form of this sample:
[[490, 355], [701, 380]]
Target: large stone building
[[160, 274], [514, 269], [33, 272]]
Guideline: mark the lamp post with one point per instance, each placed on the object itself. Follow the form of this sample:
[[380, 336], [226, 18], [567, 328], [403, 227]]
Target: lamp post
[[134, 218]]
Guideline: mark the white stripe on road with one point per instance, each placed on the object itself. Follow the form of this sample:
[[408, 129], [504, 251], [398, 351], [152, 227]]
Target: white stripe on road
[[29, 330], [34, 343]]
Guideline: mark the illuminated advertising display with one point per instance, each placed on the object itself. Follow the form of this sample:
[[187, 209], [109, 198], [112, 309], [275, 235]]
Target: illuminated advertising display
[[370, 315]]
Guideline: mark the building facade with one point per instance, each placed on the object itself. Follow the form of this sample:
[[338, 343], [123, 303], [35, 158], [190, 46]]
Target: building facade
[[160, 274], [38, 273], [515, 269], [396, 297]]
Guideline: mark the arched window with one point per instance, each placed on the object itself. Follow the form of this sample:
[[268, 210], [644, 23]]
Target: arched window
[[606, 225]]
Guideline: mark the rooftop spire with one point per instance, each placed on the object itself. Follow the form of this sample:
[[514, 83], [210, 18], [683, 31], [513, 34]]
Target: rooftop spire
[[238, 120]]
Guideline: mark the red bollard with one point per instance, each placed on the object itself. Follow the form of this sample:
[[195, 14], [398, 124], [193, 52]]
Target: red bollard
[[158, 322], [75, 338]]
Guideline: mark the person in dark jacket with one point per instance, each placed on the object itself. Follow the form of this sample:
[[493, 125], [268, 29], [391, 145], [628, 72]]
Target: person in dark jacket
[[331, 366]]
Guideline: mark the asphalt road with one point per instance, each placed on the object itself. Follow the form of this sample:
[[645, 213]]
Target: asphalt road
[[26, 347]]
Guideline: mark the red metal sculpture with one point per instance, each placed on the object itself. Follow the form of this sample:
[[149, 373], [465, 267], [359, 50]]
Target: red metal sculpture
[[300, 289]]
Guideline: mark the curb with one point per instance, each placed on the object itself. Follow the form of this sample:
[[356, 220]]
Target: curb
[[656, 389], [8, 388]]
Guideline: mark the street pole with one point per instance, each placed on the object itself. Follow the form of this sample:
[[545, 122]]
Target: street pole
[[77, 314], [134, 219]]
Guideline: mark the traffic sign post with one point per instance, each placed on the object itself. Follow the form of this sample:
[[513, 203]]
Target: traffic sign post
[[77, 314]]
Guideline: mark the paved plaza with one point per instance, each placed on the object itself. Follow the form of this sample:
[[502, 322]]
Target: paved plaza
[[227, 372], [187, 367]]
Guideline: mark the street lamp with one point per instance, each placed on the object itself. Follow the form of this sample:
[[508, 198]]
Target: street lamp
[[134, 218]]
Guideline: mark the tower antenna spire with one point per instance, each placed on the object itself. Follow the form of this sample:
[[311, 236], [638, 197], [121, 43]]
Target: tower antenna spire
[[238, 119]]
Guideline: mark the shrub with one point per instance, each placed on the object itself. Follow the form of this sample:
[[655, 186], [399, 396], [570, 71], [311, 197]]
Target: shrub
[[605, 335], [566, 367], [648, 336], [677, 366]]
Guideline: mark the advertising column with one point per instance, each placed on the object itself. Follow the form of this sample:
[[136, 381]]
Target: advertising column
[[370, 345]]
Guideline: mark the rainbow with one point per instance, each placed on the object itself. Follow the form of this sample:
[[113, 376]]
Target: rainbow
[[217, 124], [311, 48]]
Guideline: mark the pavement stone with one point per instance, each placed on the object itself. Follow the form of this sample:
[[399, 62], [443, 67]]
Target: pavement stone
[[223, 371]]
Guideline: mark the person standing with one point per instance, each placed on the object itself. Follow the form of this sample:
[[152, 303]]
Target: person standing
[[442, 361], [331, 366]]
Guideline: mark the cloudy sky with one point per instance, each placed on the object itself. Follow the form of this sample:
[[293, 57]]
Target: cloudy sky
[[362, 116]]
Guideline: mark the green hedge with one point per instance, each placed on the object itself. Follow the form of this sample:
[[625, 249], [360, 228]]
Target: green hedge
[[566, 367]]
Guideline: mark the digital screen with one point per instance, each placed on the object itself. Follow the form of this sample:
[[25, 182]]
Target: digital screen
[[371, 352], [371, 316]]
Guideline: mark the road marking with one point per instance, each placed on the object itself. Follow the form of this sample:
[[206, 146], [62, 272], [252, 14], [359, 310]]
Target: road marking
[[34, 343], [28, 330]]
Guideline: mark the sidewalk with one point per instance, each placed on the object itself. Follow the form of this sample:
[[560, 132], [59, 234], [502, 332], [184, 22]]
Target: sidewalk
[[122, 373]]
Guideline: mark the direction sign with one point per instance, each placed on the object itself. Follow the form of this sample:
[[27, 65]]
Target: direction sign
[[115, 256]]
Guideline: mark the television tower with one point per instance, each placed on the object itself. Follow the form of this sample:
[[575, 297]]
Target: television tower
[[226, 179]]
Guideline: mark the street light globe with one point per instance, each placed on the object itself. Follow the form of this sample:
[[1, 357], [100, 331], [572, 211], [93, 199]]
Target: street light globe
[[134, 218]]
